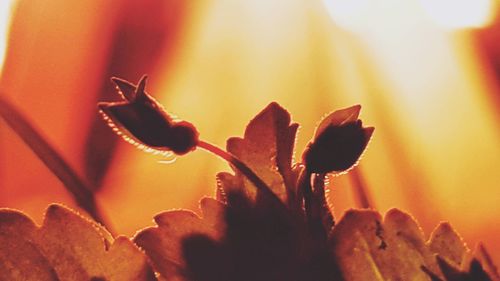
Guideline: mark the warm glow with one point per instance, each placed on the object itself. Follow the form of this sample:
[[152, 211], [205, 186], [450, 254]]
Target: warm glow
[[448, 14], [434, 151], [455, 14], [350, 14], [6, 8]]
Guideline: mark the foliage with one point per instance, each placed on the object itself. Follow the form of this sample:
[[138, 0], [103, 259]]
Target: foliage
[[269, 221], [66, 247]]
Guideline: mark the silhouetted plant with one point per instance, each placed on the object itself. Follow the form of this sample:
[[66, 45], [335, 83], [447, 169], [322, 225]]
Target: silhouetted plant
[[270, 220]]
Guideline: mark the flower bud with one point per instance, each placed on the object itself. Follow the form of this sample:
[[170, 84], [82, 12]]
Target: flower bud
[[141, 120], [339, 141]]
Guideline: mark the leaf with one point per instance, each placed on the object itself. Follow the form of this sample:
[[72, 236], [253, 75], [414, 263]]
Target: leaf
[[474, 262], [66, 247], [484, 258], [267, 148], [448, 244], [247, 241], [367, 248], [452, 273], [164, 243], [238, 241], [226, 183], [456, 261]]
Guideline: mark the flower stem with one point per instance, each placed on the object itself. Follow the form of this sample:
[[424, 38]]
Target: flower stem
[[305, 190], [242, 167], [318, 217], [326, 215]]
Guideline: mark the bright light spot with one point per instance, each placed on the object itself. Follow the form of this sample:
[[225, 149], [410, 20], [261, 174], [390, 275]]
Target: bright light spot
[[6, 8], [449, 14], [349, 14], [457, 14]]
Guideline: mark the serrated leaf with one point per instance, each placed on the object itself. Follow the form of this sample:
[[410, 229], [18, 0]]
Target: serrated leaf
[[66, 247], [227, 183], [236, 241], [246, 241], [453, 273], [267, 149], [447, 243], [481, 254], [164, 244], [369, 248]]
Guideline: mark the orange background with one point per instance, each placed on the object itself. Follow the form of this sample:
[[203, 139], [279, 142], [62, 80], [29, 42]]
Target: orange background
[[431, 90]]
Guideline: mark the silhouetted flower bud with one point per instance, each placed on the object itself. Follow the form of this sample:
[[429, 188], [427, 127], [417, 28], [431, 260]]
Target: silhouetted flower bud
[[339, 141], [141, 120]]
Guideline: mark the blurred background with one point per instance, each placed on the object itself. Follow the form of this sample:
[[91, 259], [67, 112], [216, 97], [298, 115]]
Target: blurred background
[[427, 73]]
